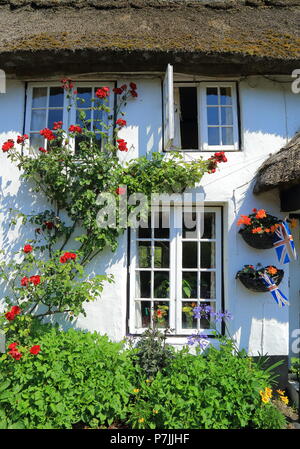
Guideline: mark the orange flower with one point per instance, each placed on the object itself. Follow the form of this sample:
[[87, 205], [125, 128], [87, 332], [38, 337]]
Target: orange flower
[[267, 230], [244, 220], [294, 223], [257, 230], [272, 270], [261, 213]]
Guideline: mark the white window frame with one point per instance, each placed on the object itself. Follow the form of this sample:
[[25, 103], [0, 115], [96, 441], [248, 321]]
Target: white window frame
[[171, 142], [175, 300], [69, 117]]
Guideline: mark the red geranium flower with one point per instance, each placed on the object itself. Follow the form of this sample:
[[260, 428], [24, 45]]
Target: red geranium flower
[[35, 280], [102, 92], [133, 86], [27, 249], [121, 122], [47, 133], [122, 145], [49, 224], [21, 139], [8, 145], [118, 90], [35, 349], [43, 150], [75, 129], [57, 125], [10, 316], [120, 191], [67, 256], [12, 346], [16, 310], [123, 87], [67, 83], [15, 354], [24, 281], [134, 93]]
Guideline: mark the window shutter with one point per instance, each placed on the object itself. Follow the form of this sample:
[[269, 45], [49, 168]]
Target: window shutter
[[168, 104]]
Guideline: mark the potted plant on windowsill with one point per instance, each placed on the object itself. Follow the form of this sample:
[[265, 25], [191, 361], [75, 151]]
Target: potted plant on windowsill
[[259, 228], [250, 277]]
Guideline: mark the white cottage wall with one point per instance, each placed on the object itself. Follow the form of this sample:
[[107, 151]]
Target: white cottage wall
[[268, 118]]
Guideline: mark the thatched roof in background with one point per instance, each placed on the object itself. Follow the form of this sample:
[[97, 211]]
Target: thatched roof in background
[[221, 36], [282, 169]]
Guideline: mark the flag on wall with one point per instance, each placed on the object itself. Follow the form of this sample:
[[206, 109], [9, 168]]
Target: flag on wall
[[277, 294], [284, 244]]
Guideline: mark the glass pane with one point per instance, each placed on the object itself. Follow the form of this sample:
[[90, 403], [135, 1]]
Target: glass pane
[[142, 314], [189, 225], [207, 285], [98, 120], [187, 315], [161, 254], [36, 141], [209, 226], [205, 321], [39, 97], [144, 255], [161, 225], [54, 115], [227, 136], [86, 115], [189, 254], [213, 136], [207, 255], [84, 97], [161, 284], [143, 284], [38, 119], [226, 116], [98, 140], [161, 314], [213, 116], [144, 231], [226, 96], [189, 285], [56, 99], [212, 95]]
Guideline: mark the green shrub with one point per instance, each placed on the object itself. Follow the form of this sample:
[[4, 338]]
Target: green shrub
[[76, 377], [268, 417], [216, 391]]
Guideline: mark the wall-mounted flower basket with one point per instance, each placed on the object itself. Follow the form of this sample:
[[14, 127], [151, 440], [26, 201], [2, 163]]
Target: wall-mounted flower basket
[[250, 277], [259, 228], [258, 241]]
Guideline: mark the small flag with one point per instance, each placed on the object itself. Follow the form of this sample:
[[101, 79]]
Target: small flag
[[277, 294], [284, 244]]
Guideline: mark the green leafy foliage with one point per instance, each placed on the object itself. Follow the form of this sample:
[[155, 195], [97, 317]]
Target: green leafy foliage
[[76, 378], [217, 391]]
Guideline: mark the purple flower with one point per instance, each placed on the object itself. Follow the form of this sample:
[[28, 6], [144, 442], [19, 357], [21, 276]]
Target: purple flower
[[199, 339], [202, 311], [220, 316]]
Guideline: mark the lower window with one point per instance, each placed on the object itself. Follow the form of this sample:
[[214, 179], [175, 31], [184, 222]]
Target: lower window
[[176, 264]]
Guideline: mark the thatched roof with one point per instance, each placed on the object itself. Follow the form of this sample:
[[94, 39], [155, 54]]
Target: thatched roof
[[197, 36], [282, 169]]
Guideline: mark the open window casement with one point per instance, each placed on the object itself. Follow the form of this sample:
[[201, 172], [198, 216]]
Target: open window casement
[[168, 100]]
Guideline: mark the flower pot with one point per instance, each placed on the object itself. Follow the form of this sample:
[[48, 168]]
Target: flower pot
[[258, 241], [257, 284]]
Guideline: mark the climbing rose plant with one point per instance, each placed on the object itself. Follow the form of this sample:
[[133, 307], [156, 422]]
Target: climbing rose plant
[[45, 279]]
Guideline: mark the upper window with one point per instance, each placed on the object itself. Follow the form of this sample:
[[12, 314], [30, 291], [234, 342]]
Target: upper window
[[48, 104], [175, 266], [200, 116]]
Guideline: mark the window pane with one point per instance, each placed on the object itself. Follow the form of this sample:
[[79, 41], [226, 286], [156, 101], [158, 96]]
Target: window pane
[[161, 314], [213, 136], [144, 255], [226, 96], [36, 141], [207, 285], [212, 95], [145, 232], [213, 116], [142, 314], [161, 225], [207, 255], [84, 97], [143, 284], [226, 116], [56, 99], [189, 285], [227, 136], [188, 117], [161, 255], [38, 119], [189, 254], [189, 225], [161, 284], [205, 321], [187, 315], [39, 97], [209, 226], [54, 115]]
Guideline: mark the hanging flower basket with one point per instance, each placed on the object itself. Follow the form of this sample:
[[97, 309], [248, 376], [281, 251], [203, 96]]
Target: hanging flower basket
[[250, 277], [259, 229]]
